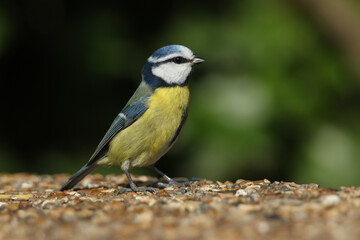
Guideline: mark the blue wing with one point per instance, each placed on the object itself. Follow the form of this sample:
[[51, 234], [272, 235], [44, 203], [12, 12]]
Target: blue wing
[[128, 116]]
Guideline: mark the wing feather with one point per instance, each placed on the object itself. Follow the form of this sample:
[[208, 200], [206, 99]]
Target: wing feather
[[134, 109], [124, 119]]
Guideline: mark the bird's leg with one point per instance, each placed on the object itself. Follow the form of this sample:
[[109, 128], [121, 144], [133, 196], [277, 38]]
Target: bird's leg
[[167, 178], [133, 185], [171, 182]]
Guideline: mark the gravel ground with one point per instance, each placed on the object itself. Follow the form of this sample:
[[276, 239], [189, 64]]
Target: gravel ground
[[31, 207]]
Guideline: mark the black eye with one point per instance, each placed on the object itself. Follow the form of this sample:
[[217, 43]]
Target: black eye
[[179, 60]]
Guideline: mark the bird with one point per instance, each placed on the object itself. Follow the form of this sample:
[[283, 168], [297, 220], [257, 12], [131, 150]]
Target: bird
[[151, 121]]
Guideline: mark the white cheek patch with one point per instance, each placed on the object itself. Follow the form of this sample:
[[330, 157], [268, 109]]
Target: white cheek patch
[[172, 73]]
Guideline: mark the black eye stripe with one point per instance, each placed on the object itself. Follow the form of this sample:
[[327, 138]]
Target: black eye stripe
[[179, 60]]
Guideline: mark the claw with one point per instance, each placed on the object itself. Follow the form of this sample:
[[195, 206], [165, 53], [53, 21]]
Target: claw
[[171, 182]]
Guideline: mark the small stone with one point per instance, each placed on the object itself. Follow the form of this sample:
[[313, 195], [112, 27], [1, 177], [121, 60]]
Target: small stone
[[74, 193], [240, 181], [241, 193], [313, 185], [182, 190], [112, 190], [330, 200], [27, 185], [48, 203], [284, 189], [253, 187]]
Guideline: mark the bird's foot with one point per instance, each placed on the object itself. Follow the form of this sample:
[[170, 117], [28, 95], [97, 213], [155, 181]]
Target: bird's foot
[[133, 186], [173, 183]]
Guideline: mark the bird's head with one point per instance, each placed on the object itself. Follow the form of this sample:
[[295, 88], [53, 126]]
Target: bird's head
[[169, 66]]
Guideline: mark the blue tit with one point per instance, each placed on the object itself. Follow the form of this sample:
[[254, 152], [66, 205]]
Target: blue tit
[[151, 121]]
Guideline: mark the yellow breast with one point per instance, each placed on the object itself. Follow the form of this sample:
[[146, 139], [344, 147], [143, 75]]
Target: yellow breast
[[148, 138]]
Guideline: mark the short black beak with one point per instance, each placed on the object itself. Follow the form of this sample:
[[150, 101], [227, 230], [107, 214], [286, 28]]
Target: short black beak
[[197, 60]]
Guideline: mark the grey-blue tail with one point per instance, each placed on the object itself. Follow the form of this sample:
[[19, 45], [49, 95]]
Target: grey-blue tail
[[77, 177]]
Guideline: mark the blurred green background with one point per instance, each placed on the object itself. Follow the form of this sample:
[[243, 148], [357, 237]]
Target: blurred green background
[[277, 98]]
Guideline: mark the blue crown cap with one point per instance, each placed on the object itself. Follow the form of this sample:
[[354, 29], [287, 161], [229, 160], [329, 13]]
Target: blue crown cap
[[167, 50]]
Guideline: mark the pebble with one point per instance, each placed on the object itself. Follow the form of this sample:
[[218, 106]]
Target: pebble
[[240, 193], [329, 200], [207, 210]]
